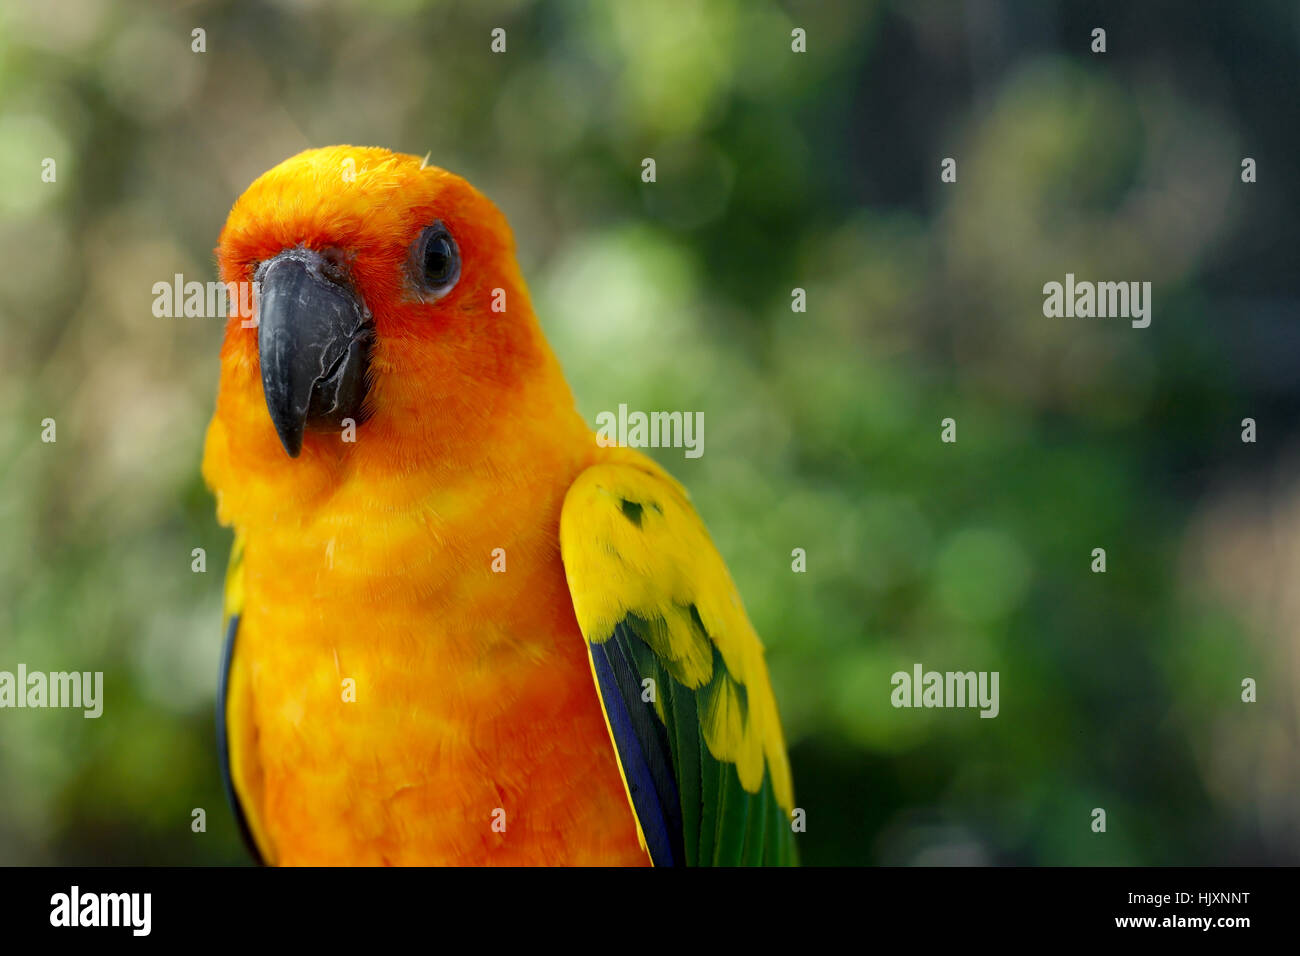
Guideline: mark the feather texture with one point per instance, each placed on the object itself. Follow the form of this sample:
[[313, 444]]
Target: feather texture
[[680, 671]]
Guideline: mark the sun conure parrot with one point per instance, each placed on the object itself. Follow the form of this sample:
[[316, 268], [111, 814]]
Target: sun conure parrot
[[459, 629]]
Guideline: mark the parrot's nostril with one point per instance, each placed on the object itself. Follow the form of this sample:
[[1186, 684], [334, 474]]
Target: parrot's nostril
[[330, 264]]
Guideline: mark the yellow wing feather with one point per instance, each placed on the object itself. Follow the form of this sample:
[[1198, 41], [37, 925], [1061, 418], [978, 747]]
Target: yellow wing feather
[[633, 546]]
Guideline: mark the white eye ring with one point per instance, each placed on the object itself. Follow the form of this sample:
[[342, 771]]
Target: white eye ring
[[435, 262]]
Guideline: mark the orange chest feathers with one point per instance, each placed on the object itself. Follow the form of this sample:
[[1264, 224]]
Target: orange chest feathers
[[398, 701]]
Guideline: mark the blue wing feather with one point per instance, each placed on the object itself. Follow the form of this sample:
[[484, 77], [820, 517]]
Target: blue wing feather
[[643, 752], [223, 748]]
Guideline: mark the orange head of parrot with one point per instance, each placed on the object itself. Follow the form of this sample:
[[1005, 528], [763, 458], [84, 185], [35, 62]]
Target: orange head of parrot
[[388, 302]]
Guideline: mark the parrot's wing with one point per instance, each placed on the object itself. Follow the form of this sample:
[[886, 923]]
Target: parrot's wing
[[236, 730], [679, 670]]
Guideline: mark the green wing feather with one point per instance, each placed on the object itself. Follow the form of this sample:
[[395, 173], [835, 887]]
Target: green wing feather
[[703, 757]]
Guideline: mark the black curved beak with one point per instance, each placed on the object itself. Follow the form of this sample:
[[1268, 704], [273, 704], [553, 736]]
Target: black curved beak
[[314, 335]]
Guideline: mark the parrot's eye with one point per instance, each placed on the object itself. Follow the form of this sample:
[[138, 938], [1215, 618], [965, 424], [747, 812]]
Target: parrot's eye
[[438, 260]]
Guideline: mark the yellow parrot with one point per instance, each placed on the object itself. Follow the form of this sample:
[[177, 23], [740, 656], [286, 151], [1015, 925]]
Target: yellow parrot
[[459, 630]]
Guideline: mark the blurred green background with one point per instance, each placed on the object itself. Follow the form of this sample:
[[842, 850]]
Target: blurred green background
[[775, 170]]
